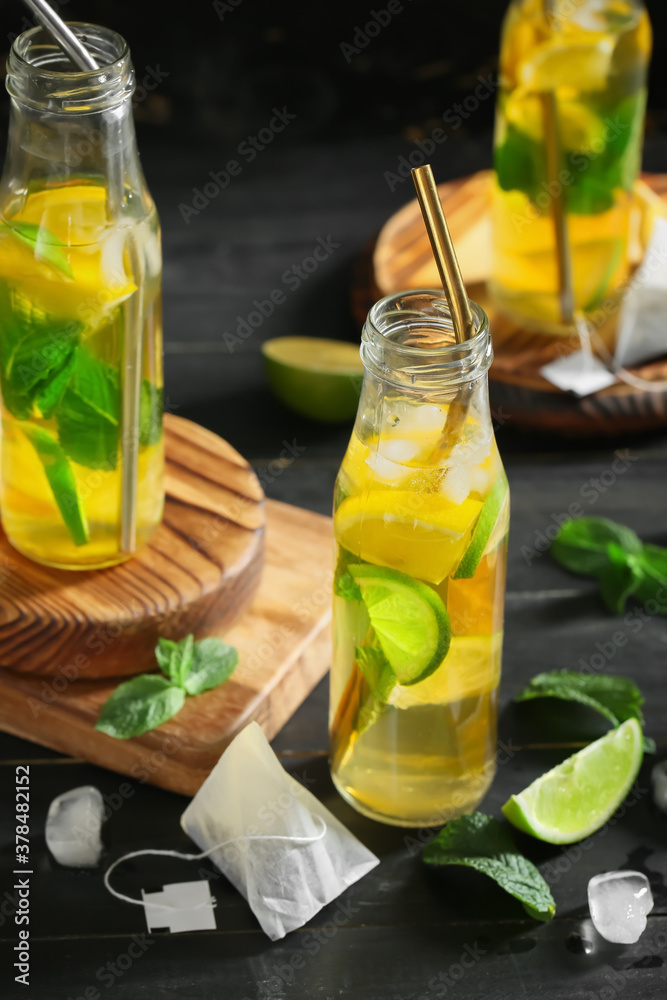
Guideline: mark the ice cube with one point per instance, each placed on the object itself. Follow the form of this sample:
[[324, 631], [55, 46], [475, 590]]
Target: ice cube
[[456, 485], [619, 903], [73, 827], [398, 449], [659, 782], [415, 416]]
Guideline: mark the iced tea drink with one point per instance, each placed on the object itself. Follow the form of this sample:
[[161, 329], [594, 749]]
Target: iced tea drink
[[421, 519]]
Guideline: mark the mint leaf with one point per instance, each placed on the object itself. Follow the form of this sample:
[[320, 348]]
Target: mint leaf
[[481, 842], [347, 587], [620, 577], [49, 393], [653, 583], [45, 245], [138, 705], [34, 348], [375, 667], [61, 480], [615, 698], [176, 658], [213, 663], [88, 413], [150, 413], [582, 545]]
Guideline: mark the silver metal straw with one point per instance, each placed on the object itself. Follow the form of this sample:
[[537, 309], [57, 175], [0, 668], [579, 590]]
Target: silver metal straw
[[64, 35], [131, 382]]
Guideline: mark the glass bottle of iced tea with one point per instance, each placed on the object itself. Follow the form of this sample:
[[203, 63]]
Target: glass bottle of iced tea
[[592, 55], [80, 272], [421, 513]]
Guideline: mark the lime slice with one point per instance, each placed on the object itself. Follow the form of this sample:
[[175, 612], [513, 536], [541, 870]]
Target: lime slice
[[317, 378], [576, 798], [409, 619], [421, 534], [487, 521]]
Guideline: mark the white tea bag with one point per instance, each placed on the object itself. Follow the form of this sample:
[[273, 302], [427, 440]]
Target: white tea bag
[[283, 851], [642, 331]]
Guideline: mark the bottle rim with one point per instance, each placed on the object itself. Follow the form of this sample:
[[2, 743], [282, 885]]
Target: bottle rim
[[433, 359], [40, 74]]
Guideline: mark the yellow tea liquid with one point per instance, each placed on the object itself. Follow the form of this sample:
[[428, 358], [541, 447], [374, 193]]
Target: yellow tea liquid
[[592, 55], [68, 291], [424, 752]]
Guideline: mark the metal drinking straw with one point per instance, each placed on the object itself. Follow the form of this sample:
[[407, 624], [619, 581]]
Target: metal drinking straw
[[454, 289], [131, 383], [63, 35]]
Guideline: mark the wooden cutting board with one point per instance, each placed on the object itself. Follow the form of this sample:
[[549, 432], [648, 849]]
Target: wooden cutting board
[[401, 257], [285, 649], [198, 574]]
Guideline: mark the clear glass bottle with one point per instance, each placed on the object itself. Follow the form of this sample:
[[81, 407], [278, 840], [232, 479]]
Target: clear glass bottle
[[421, 514], [593, 56], [80, 279]]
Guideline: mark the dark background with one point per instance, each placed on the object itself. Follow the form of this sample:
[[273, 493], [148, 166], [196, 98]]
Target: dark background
[[324, 177]]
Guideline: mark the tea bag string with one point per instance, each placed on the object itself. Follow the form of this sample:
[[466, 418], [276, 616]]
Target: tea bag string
[[198, 857]]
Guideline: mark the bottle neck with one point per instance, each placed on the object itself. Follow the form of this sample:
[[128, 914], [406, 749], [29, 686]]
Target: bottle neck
[[408, 341], [69, 125]]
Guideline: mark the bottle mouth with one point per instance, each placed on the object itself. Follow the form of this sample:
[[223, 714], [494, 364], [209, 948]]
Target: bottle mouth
[[42, 76], [409, 340]]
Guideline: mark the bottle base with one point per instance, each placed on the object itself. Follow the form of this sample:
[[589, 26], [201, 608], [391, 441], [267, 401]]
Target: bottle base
[[408, 819]]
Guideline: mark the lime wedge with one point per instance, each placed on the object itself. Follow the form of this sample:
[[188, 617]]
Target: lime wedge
[[409, 619], [576, 798], [317, 378], [488, 518]]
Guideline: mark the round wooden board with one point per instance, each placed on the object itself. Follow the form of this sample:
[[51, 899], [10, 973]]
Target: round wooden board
[[401, 258], [198, 574]]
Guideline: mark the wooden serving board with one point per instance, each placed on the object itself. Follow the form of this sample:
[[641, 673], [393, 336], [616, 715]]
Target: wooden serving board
[[198, 574], [402, 258], [285, 649]]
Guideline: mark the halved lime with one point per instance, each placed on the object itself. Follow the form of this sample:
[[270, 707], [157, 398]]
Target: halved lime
[[317, 378], [409, 619], [576, 798], [488, 517]]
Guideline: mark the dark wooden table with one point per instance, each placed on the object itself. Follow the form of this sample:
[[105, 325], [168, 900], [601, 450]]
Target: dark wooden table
[[403, 932]]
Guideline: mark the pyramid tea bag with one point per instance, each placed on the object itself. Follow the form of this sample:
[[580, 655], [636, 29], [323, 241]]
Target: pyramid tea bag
[[283, 851]]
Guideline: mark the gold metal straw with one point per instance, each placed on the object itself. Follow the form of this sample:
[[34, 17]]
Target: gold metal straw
[[452, 283], [558, 209], [444, 253]]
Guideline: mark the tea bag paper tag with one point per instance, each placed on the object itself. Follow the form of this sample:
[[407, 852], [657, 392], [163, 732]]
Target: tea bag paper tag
[[580, 372], [279, 846], [181, 906], [641, 323]]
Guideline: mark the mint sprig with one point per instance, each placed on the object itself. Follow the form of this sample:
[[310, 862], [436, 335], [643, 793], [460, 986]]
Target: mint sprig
[[47, 247], [482, 842], [146, 701], [615, 698], [616, 556]]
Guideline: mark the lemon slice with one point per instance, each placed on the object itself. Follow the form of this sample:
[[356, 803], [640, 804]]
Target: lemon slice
[[317, 378], [584, 63], [421, 534], [472, 667]]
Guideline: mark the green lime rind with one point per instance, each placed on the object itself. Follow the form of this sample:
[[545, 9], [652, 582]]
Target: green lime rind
[[409, 620], [326, 389], [577, 797], [486, 522]]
